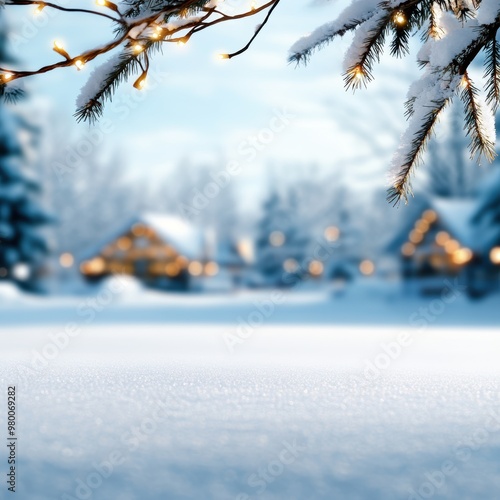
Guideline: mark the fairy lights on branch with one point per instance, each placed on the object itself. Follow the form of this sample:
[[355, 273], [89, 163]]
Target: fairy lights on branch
[[138, 31]]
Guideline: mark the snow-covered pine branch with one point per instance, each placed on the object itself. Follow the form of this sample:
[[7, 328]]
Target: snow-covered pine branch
[[453, 33]]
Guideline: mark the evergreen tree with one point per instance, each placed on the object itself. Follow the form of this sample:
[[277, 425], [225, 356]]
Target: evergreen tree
[[281, 242], [22, 246]]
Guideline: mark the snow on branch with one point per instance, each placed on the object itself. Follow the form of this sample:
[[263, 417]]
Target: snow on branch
[[452, 32]]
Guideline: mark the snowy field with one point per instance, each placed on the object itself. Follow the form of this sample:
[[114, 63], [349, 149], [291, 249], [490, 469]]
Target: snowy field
[[149, 407]]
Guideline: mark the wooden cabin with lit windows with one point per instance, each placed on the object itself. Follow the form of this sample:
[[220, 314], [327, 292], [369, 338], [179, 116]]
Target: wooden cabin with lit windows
[[160, 250], [438, 242]]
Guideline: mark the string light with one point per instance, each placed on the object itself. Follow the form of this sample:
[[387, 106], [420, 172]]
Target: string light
[[357, 72], [7, 76], [408, 249], [367, 267], [464, 82], [106, 3], [316, 268], [79, 64], [38, 9], [462, 256], [495, 255], [211, 268], [141, 81], [138, 48], [253, 5], [195, 268], [332, 233], [66, 260], [58, 47], [277, 238], [399, 18], [223, 57]]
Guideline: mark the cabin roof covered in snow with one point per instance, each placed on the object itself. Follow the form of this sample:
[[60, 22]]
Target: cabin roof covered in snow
[[456, 215], [185, 237]]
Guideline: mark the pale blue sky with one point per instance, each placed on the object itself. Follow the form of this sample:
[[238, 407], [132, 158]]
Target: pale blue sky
[[204, 108]]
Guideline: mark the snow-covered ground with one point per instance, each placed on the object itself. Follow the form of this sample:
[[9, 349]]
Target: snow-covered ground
[[151, 406]]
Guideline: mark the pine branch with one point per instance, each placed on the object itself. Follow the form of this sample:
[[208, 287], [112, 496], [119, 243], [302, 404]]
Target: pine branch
[[492, 73], [480, 143], [401, 186]]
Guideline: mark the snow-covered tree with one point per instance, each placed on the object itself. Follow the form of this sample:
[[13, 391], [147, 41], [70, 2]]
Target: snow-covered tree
[[22, 246], [282, 240], [453, 32], [90, 197]]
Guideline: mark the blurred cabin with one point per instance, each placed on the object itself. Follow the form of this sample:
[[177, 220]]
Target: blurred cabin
[[164, 251]]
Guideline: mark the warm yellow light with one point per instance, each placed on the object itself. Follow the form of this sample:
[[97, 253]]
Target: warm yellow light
[[140, 83], [94, 266], [416, 236], [137, 48], [124, 243], [182, 261], [442, 237], [277, 238], [464, 82], [495, 255], [195, 268], [430, 216], [102, 3], [367, 267], [357, 72], [211, 268], [139, 230], [399, 18], [253, 5], [58, 45], [462, 256], [246, 250], [290, 265], [222, 56], [39, 9], [332, 233], [408, 249], [451, 246], [316, 268], [422, 225], [172, 269], [79, 64], [7, 76], [181, 43], [66, 259]]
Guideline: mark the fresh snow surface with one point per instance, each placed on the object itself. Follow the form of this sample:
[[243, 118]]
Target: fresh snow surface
[[216, 419]]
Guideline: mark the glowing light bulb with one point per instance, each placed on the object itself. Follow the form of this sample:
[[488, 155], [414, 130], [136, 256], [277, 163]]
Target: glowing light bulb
[[38, 9], [138, 48], [140, 83], [79, 64], [102, 3], [58, 45], [7, 76], [357, 72], [222, 57], [399, 18]]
